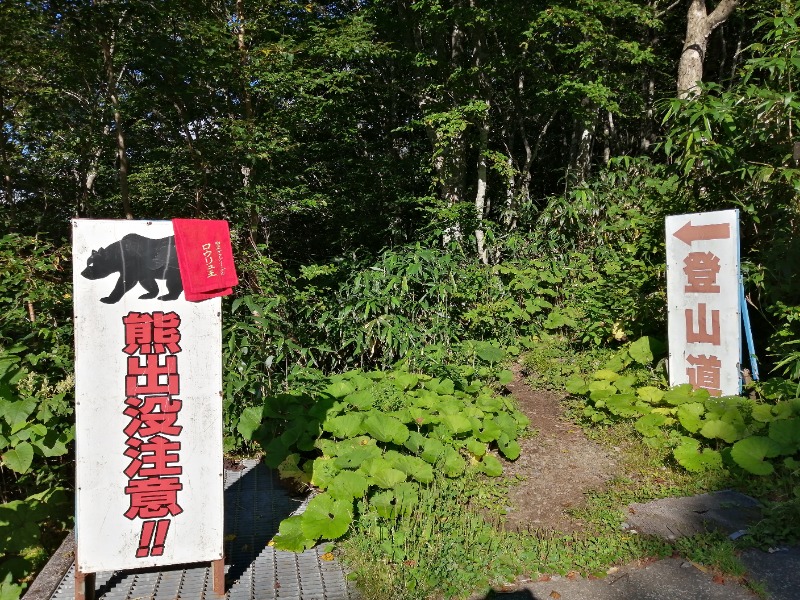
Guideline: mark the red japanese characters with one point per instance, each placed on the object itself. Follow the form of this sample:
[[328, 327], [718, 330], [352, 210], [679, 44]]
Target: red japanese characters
[[152, 384], [701, 269], [703, 300]]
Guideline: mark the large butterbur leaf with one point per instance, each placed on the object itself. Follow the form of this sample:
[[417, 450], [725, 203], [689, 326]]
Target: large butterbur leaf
[[340, 389], [381, 473], [451, 462], [323, 471], [290, 469], [650, 424], [275, 452], [406, 381], [491, 466], [392, 503], [347, 485], [475, 447], [644, 349], [650, 394], [490, 404], [507, 424], [787, 433], [750, 453], [682, 394], [326, 517], [415, 442], [509, 447], [456, 423], [362, 399], [690, 416], [489, 353], [721, 429], [414, 467], [577, 385], [249, 421], [291, 536], [344, 426], [622, 405], [691, 458], [763, 413], [385, 428], [488, 431], [445, 387], [505, 377], [352, 459], [432, 449]]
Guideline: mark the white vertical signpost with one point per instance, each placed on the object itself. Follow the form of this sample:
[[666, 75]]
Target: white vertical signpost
[[148, 385], [703, 301]]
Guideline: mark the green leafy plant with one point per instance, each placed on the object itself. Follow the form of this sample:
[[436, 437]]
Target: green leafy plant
[[698, 427], [379, 435], [36, 388]]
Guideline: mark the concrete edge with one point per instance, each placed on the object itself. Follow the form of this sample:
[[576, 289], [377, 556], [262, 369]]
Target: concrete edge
[[50, 577]]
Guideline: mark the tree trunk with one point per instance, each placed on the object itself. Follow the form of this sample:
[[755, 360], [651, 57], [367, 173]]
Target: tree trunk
[[480, 195], [248, 170], [583, 136], [646, 135], [481, 203], [609, 132], [112, 89], [5, 162], [87, 189], [699, 25]]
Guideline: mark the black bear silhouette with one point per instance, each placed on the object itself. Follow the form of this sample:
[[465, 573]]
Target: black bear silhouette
[[137, 259]]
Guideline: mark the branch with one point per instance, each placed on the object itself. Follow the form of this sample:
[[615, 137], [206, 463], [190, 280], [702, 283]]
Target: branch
[[720, 14], [661, 13]]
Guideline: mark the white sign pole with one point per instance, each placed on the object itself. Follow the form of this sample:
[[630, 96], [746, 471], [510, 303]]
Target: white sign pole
[[705, 337], [148, 417]]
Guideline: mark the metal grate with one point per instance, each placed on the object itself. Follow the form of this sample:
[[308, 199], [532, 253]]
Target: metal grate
[[255, 504]]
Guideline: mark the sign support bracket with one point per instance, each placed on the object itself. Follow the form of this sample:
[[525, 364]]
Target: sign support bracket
[[748, 332], [84, 584], [218, 576]]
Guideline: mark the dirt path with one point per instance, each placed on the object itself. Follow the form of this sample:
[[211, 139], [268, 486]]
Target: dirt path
[[558, 464]]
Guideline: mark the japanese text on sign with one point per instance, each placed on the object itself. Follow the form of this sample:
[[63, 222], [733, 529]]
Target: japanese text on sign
[[152, 383], [702, 292], [148, 410]]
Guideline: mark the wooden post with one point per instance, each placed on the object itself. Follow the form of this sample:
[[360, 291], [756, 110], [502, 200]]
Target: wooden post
[[84, 584], [217, 576]]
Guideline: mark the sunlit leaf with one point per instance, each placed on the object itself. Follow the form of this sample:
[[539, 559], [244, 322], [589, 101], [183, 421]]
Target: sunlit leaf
[[291, 536], [19, 458], [385, 428], [381, 473], [750, 453], [326, 517], [344, 426], [690, 457]]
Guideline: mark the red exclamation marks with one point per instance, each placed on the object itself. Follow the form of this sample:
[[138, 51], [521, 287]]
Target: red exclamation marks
[[161, 537], [148, 527], [144, 540]]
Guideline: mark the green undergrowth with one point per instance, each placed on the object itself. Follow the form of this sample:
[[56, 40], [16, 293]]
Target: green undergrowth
[[713, 549], [380, 437], [36, 424], [449, 548], [759, 436], [549, 361], [680, 442]]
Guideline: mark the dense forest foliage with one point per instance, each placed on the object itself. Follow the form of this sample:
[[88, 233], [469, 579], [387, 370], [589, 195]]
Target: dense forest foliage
[[406, 180]]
